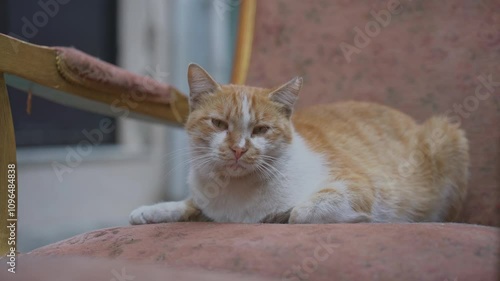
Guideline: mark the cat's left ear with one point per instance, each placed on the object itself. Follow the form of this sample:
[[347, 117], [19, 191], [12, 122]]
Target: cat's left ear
[[287, 94], [200, 83]]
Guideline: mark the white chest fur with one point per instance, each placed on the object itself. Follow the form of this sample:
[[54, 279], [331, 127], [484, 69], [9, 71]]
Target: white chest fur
[[302, 172]]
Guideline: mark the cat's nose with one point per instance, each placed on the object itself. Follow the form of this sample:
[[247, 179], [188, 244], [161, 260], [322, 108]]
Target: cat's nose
[[238, 151]]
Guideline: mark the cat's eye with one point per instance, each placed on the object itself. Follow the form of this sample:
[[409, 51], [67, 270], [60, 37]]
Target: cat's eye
[[260, 130], [219, 124]]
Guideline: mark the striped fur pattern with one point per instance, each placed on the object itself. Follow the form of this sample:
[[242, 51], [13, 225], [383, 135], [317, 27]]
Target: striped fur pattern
[[253, 159]]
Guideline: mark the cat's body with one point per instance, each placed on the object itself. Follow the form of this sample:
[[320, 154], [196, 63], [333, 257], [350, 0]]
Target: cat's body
[[255, 161]]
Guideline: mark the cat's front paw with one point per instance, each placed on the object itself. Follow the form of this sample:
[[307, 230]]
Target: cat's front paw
[[299, 215], [317, 213], [163, 212]]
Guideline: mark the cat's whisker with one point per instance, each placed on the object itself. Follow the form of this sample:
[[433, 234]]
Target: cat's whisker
[[260, 173], [268, 156], [186, 151], [194, 161], [269, 173], [187, 155], [204, 158], [189, 159], [201, 165], [277, 171]]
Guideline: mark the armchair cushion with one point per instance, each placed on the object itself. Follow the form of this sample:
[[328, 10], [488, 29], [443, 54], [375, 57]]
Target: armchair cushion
[[86, 269], [295, 252]]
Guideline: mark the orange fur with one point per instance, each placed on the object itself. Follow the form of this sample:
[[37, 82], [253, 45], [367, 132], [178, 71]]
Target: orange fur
[[379, 151], [368, 145], [379, 147], [345, 162]]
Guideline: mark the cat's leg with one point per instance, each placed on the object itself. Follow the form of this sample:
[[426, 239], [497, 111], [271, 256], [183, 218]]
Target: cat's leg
[[167, 212], [328, 206]]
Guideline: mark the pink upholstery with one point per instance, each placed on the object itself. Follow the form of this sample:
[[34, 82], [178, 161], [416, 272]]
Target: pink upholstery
[[313, 252], [78, 67], [426, 61], [85, 269]]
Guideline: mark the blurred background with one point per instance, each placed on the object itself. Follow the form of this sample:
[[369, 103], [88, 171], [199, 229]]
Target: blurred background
[[135, 164]]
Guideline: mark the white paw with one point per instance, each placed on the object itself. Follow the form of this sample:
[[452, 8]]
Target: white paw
[[162, 212], [326, 213], [301, 214]]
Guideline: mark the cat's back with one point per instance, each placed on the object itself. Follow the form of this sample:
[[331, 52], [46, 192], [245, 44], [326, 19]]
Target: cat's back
[[353, 123], [422, 168], [345, 109]]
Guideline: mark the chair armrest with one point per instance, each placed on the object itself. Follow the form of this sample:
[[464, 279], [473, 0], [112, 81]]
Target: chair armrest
[[73, 78]]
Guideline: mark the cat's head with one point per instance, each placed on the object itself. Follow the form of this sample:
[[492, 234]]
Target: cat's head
[[238, 130]]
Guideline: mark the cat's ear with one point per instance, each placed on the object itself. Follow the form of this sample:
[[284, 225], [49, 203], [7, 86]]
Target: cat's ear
[[287, 94], [200, 83]]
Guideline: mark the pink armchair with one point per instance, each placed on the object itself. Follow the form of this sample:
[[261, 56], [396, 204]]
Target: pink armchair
[[423, 57]]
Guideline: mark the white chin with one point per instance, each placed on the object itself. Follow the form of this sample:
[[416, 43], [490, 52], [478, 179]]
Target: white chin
[[236, 170]]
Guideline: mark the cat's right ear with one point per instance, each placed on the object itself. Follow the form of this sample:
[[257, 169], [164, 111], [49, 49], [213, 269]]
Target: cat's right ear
[[200, 83], [287, 94]]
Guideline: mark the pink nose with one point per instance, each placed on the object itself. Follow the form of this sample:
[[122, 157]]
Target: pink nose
[[238, 151]]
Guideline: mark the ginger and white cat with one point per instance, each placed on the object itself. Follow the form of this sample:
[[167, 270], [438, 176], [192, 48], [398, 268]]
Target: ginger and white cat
[[253, 159]]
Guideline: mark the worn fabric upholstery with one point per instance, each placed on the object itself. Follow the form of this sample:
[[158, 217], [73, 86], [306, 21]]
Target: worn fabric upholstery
[[426, 58], [87, 269], [300, 252], [80, 68]]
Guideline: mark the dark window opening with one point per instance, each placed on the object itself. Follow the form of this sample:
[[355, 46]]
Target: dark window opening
[[89, 26]]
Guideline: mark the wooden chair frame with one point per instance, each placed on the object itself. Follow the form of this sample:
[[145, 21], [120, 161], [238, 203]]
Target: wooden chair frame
[[33, 68]]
